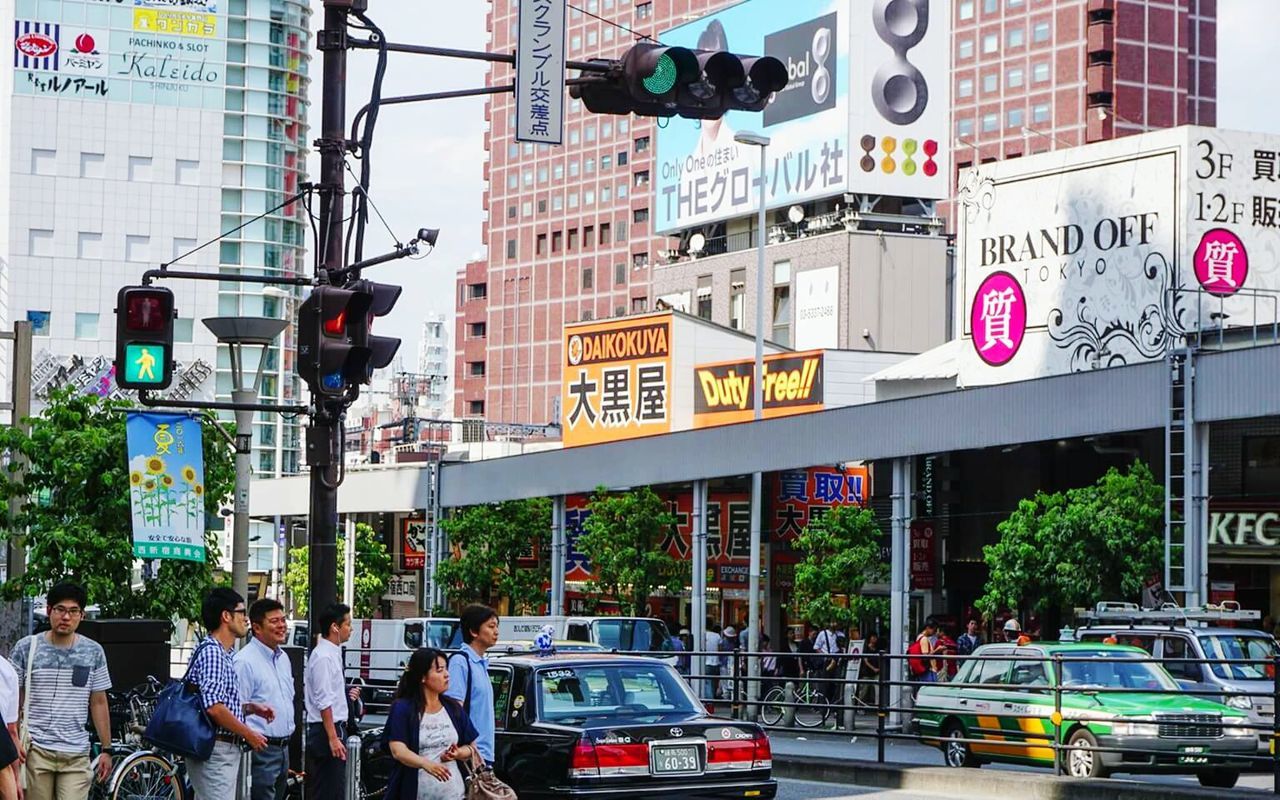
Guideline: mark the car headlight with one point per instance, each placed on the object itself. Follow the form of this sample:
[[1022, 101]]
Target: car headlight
[[1240, 701], [1135, 729], [1231, 727]]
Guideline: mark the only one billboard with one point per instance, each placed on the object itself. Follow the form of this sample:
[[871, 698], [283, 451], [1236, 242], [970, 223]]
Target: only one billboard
[[866, 109]]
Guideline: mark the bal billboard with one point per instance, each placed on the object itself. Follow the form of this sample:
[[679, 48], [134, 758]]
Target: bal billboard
[[865, 109]]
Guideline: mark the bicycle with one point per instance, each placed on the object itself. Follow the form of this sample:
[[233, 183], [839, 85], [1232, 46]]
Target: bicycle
[[139, 772], [812, 707]]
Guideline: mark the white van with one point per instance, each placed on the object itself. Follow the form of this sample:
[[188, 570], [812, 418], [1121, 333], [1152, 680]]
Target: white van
[[624, 634]]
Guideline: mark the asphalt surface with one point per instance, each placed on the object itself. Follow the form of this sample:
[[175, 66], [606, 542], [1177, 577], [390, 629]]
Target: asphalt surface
[[813, 790]]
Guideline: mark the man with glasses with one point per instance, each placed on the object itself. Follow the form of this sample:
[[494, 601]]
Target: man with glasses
[[266, 679], [66, 676], [214, 671]]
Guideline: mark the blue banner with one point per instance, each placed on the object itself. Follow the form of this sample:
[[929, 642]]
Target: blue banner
[[166, 485]]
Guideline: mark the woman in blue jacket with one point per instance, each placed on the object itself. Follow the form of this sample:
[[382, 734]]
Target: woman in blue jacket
[[427, 733]]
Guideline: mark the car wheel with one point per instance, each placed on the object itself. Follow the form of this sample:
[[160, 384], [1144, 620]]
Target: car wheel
[[1082, 760], [1218, 778], [955, 751]]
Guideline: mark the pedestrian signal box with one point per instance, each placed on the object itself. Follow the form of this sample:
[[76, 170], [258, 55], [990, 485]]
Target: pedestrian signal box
[[144, 337]]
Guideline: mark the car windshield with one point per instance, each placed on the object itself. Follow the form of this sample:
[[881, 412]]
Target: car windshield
[[1232, 646], [632, 635], [618, 692], [1113, 669]]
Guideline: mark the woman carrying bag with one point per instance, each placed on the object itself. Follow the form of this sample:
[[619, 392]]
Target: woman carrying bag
[[428, 734]]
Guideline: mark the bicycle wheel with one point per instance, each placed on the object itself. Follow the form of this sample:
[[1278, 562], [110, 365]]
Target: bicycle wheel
[[814, 711], [770, 712], [149, 777]]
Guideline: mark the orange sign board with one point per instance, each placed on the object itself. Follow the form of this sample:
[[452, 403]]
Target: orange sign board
[[616, 379], [722, 393]]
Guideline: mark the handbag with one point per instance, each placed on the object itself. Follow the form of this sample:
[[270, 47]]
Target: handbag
[[480, 781], [179, 724], [24, 729]]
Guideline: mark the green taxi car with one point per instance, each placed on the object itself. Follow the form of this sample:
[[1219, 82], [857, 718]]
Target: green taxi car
[[1010, 715]]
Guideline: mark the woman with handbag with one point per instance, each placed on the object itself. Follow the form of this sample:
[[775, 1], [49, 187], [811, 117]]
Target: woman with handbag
[[427, 733]]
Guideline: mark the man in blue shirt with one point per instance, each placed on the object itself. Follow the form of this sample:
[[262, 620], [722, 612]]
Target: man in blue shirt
[[469, 673], [265, 678]]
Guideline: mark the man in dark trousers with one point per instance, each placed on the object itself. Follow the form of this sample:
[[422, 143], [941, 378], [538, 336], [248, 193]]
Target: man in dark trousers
[[326, 701]]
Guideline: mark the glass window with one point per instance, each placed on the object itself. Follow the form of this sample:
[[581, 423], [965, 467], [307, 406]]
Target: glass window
[[782, 315], [605, 194], [1175, 648], [630, 692], [1016, 118], [1040, 113], [966, 9], [994, 671], [513, 150], [1016, 37], [990, 6], [1261, 465], [1040, 72], [557, 202], [990, 123], [500, 678], [606, 128], [619, 274], [1109, 671], [990, 43], [1040, 32], [86, 326], [606, 162], [990, 83], [964, 87], [527, 178], [965, 49], [1234, 646], [182, 329], [573, 169], [622, 158], [589, 166], [1013, 78], [573, 136], [622, 191], [589, 133], [513, 180], [1029, 673], [642, 144], [640, 215], [588, 277], [511, 248], [557, 171], [964, 126], [39, 322], [542, 174]]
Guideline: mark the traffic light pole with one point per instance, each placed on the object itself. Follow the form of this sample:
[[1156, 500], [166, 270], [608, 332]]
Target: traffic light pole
[[326, 423]]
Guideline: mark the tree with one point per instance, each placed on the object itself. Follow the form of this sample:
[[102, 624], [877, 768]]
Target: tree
[[841, 553], [372, 572], [622, 538], [1060, 550], [502, 551], [71, 476]]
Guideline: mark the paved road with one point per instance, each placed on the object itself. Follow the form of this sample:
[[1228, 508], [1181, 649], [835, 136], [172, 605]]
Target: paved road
[[813, 790]]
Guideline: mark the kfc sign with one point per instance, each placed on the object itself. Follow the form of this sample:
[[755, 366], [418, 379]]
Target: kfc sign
[[1252, 529]]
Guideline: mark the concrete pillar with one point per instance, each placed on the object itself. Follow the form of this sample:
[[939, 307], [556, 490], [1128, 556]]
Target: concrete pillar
[[900, 579]]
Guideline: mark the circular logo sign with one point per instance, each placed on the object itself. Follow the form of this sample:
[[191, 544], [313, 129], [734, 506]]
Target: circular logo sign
[[575, 350], [85, 44], [1221, 262], [36, 45], [998, 318]]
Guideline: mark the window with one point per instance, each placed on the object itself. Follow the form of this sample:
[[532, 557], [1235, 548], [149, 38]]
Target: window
[[993, 672], [575, 43], [622, 191], [542, 174], [592, 38], [606, 162], [966, 9], [965, 49], [182, 329], [557, 241], [990, 83], [1040, 72], [43, 162], [557, 172], [1016, 37], [964, 87], [606, 128], [511, 248], [589, 166], [639, 260], [606, 193], [644, 10], [1014, 77], [86, 326], [640, 215], [557, 202], [1175, 648], [991, 43], [622, 158], [588, 278], [588, 315], [588, 234], [1029, 674], [137, 248], [605, 233], [573, 238], [782, 315], [475, 369], [1016, 118], [964, 126], [638, 305], [526, 208], [737, 298], [139, 168], [589, 197], [1040, 113], [573, 169], [619, 274], [513, 180], [477, 330], [990, 6], [527, 178], [1040, 32], [528, 148], [704, 297], [990, 123], [513, 150], [478, 291], [540, 247], [1260, 465], [1015, 3], [511, 212], [40, 321], [620, 231], [642, 178], [589, 133], [573, 136], [93, 165], [475, 408], [186, 173], [642, 144], [573, 199], [89, 245], [39, 242]]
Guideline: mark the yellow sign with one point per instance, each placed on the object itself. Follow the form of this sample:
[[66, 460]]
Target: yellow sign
[[616, 379], [722, 393], [175, 23]]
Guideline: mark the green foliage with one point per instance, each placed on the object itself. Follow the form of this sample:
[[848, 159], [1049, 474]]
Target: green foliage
[[841, 553], [1061, 550], [489, 543], [70, 477], [372, 572], [622, 538]]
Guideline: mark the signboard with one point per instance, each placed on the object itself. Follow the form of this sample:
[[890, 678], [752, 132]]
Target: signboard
[[402, 587], [923, 554], [616, 379], [800, 496], [818, 308], [540, 72], [723, 393], [1106, 255], [413, 544], [1245, 528], [865, 109], [166, 485]]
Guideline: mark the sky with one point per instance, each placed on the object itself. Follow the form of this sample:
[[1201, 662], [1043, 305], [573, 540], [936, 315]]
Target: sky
[[429, 157]]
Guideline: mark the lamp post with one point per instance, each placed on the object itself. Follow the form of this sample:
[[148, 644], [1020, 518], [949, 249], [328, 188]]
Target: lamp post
[[757, 400], [237, 333]]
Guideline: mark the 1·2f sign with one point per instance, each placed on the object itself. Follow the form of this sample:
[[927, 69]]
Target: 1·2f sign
[[540, 72]]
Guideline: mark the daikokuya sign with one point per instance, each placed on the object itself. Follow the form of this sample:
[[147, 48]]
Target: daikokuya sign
[[1106, 255], [616, 379]]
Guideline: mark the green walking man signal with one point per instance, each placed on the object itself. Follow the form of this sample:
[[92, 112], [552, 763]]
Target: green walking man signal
[[144, 337]]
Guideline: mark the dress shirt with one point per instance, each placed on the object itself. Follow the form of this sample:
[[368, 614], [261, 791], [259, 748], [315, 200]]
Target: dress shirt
[[827, 642], [266, 678], [323, 684], [215, 673], [470, 669]]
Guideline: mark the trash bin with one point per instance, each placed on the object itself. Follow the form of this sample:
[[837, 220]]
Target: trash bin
[[135, 648]]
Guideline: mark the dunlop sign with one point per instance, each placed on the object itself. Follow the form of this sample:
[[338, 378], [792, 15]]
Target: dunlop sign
[[723, 393], [616, 379]]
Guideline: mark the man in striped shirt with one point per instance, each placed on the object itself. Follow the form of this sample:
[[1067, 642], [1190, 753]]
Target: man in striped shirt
[[214, 671]]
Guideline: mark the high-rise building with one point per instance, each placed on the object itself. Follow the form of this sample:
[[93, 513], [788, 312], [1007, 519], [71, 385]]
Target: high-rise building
[[136, 134], [435, 397], [568, 232]]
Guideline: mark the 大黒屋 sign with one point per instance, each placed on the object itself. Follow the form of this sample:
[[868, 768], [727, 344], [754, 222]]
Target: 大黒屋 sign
[[166, 485], [616, 379]]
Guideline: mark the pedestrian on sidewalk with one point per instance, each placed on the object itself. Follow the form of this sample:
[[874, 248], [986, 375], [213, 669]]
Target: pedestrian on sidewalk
[[9, 712], [711, 663], [828, 646], [214, 670], [970, 640], [469, 674], [265, 679], [868, 691], [428, 733], [66, 674], [326, 703]]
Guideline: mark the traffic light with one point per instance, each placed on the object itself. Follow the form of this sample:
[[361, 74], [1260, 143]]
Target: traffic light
[[335, 347], [144, 337], [376, 300], [658, 81]]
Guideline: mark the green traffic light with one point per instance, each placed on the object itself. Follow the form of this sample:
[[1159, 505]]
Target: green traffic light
[[144, 363], [663, 78]]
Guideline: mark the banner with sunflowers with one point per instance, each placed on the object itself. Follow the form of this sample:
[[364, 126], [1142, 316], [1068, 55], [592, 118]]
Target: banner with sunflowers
[[166, 485]]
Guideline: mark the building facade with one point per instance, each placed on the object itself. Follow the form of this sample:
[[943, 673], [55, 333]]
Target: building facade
[[568, 232]]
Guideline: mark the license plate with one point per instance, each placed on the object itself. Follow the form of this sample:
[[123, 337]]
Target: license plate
[[1191, 755], [675, 760]]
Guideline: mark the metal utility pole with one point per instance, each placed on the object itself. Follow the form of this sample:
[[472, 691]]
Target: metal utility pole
[[323, 450]]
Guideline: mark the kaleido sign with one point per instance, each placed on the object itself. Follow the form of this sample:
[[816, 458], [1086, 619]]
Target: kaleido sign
[[1106, 255]]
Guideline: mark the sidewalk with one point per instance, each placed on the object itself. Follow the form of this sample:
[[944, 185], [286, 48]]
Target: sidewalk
[[841, 758]]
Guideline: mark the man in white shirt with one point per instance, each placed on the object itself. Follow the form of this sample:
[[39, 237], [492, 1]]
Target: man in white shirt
[[265, 677], [828, 642], [326, 702], [711, 663]]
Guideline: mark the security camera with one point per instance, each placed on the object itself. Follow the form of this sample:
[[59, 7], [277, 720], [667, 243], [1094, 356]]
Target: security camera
[[428, 235], [226, 512]]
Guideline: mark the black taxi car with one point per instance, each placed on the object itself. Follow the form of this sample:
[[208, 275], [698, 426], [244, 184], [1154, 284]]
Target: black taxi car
[[600, 725]]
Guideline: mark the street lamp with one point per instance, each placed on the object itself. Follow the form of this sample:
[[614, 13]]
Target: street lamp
[[237, 333], [757, 386]]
